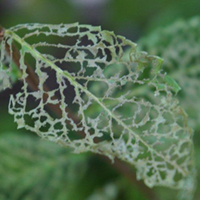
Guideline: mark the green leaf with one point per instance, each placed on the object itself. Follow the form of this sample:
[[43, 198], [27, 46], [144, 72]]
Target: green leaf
[[172, 83]]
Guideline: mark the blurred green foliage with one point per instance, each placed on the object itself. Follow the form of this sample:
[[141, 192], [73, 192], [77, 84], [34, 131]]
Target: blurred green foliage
[[31, 167]]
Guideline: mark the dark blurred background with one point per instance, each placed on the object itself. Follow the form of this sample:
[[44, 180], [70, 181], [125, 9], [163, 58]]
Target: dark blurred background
[[27, 172], [130, 18]]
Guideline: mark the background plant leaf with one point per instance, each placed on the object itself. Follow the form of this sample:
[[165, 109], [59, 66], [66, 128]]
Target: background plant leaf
[[178, 45]]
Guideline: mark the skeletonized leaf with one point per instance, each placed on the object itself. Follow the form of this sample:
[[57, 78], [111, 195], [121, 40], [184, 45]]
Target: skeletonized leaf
[[136, 117]]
